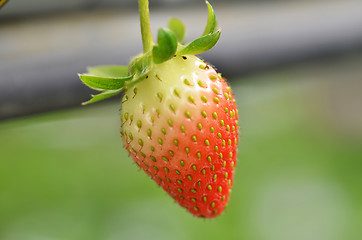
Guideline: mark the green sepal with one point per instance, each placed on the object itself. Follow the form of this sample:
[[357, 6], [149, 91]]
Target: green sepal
[[201, 44], [109, 71], [166, 47], [178, 28], [140, 65], [111, 80], [103, 83], [211, 21], [102, 96]]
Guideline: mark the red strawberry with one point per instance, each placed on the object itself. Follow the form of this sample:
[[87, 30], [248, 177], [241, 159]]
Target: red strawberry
[[179, 118], [184, 133]]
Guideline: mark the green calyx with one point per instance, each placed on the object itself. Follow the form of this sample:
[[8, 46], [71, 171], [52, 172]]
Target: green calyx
[[111, 80]]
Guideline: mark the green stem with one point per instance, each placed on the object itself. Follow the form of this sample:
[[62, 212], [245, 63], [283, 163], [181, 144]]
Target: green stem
[[147, 40]]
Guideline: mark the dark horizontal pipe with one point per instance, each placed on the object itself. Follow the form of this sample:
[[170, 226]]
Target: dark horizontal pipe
[[40, 57]]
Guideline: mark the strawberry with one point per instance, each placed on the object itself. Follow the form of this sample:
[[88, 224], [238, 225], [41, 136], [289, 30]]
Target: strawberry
[[179, 119]]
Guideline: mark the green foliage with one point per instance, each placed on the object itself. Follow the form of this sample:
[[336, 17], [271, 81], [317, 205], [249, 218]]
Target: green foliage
[[103, 83], [102, 96], [201, 44], [211, 21], [111, 80], [140, 65], [167, 46], [178, 29], [208, 39]]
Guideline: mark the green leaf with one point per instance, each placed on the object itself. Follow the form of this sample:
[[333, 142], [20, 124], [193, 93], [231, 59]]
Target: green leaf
[[211, 21], [103, 95], [109, 71], [140, 65], [167, 46], [200, 45], [103, 83], [178, 29]]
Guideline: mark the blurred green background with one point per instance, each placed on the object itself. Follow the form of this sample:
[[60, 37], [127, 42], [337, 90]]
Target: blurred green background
[[65, 175]]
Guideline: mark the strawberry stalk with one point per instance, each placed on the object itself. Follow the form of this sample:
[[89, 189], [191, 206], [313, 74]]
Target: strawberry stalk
[[147, 40]]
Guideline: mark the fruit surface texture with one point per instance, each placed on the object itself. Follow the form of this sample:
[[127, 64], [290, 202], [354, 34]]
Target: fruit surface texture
[[180, 125]]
